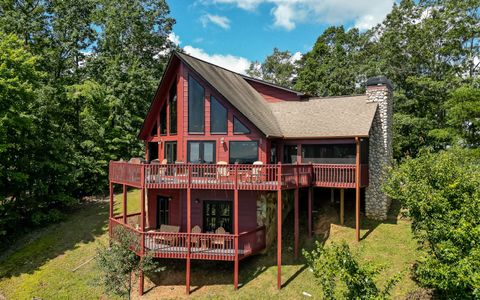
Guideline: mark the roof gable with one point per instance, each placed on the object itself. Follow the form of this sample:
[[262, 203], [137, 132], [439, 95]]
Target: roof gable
[[238, 92]]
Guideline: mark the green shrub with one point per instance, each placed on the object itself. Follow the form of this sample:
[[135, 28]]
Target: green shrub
[[441, 193], [119, 262], [336, 264]]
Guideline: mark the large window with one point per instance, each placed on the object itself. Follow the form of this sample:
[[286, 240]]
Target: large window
[[196, 106], [170, 152], [218, 116], [173, 108], [243, 152], [201, 152], [329, 154], [239, 127], [154, 130], [217, 214], [290, 154], [163, 120]]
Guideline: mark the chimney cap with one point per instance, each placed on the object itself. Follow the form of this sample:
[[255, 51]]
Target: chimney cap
[[379, 80]]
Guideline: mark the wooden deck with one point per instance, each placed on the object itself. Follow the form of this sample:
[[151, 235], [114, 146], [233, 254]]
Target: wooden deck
[[240, 176], [202, 246]]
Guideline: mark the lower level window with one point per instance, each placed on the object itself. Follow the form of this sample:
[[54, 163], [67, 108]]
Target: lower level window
[[243, 152], [217, 214], [171, 152]]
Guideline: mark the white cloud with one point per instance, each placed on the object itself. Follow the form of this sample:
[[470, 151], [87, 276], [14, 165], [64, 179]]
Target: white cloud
[[220, 21], [172, 37], [234, 63], [288, 13], [296, 56]]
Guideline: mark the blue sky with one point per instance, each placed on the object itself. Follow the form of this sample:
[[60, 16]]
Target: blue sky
[[232, 33]]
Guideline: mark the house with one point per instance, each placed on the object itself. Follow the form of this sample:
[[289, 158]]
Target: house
[[225, 153]]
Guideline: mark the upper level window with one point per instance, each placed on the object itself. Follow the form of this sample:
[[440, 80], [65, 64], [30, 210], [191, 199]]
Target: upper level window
[[329, 154], [196, 106], [154, 130], [238, 127], [243, 152], [163, 120], [218, 116], [172, 101]]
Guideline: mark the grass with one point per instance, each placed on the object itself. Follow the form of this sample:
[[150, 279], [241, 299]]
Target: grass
[[40, 264]]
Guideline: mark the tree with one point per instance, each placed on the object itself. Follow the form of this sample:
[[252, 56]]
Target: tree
[[278, 68], [335, 263], [119, 262], [331, 67], [441, 192]]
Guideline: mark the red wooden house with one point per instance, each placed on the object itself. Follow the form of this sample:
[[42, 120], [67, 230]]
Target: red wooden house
[[219, 143]]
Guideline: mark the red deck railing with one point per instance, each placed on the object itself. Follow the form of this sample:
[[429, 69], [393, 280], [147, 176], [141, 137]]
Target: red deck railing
[[206, 246], [241, 176]]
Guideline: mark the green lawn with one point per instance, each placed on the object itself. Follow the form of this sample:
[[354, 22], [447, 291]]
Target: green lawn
[[40, 264]]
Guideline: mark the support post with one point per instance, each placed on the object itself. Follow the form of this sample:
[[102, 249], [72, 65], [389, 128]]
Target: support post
[[296, 225], [189, 228], [342, 206], [235, 229], [310, 208], [111, 200], [142, 241], [124, 204], [279, 227], [357, 190]]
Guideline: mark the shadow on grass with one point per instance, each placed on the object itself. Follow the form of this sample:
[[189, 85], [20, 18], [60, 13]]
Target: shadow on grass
[[34, 249]]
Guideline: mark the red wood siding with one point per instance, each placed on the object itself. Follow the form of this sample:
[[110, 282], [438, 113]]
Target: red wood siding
[[247, 207], [273, 94]]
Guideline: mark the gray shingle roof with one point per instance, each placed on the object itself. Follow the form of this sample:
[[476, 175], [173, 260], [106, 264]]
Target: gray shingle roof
[[346, 116], [325, 117]]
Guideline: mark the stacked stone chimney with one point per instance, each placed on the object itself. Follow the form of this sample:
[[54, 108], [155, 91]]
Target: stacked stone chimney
[[379, 90]]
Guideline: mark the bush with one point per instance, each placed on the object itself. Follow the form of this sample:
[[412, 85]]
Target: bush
[[441, 193], [120, 263], [335, 264]]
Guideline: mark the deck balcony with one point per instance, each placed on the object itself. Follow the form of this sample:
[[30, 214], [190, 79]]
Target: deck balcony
[[204, 246], [269, 177]]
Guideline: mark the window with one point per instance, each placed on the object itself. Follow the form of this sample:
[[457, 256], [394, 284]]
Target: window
[[154, 130], [201, 152], [196, 106], [238, 127], [170, 152], [162, 210], [329, 154], [290, 154], [217, 214], [218, 116], [273, 153], [152, 151], [243, 152], [163, 120], [173, 108]]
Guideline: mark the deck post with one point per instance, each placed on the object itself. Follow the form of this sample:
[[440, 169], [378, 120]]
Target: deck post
[[357, 190], [124, 206], [142, 241], [310, 207], [111, 200], [279, 227], [235, 228], [296, 226], [342, 206], [189, 227]]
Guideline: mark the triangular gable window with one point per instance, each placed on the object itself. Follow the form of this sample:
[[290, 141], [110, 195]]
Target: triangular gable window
[[239, 127]]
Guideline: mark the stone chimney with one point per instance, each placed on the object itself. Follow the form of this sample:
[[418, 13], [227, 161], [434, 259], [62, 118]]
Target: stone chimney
[[380, 156]]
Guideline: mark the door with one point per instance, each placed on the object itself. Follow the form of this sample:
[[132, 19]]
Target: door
[[152, 151], [201, 152], [170, 152], [217, 214], [162, 210]]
